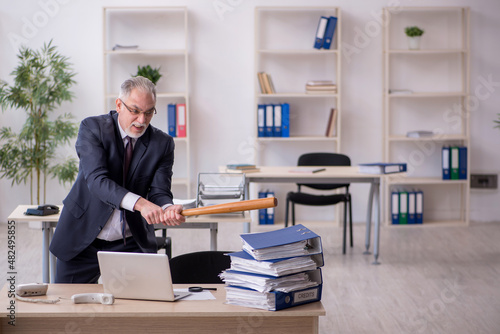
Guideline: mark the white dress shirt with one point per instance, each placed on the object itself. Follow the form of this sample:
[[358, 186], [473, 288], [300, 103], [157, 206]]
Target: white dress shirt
[[113, 229]]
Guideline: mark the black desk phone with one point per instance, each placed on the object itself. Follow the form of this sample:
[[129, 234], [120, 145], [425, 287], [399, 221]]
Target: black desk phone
[[43, 210]]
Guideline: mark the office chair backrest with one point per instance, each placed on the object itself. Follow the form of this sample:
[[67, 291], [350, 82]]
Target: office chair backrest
[[324, 159], [199, 267]]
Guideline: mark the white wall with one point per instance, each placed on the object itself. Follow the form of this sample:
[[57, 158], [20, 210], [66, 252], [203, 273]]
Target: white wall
[[221, 50]]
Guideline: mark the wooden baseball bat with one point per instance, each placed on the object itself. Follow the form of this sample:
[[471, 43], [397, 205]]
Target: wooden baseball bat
[[252, 204]]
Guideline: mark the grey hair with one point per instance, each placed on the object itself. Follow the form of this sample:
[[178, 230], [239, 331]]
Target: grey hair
[[138, 82]]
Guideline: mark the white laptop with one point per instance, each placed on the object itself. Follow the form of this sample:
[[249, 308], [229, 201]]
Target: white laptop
[[143, 276]]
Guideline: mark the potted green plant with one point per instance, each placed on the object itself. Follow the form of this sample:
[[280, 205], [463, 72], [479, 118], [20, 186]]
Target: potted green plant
[[147, 71], [42, 81], [414, 34]]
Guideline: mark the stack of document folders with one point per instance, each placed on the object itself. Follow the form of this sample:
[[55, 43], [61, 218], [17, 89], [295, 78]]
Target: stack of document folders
[[276, 270]]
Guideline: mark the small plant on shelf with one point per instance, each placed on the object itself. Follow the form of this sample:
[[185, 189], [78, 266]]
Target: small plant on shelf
[[147, 71], [413, 31]]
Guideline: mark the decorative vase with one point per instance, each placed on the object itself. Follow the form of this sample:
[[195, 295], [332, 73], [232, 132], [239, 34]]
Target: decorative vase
[[414, 43]]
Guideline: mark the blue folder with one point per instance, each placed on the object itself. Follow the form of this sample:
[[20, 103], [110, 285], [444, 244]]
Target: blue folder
[[317, 258], [285, 120], [320, 32], [261, 119], [270, 211], [419, 207], [277, 120], [269, 125], [411, 207], [445, 163], [284, 300], [172, 122], [330, 30], [262, 212], [262, 241], [395, 207], [382, 168], [462, 163]]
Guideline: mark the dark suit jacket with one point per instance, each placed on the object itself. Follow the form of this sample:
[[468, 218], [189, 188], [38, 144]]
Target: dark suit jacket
[[98, 189]]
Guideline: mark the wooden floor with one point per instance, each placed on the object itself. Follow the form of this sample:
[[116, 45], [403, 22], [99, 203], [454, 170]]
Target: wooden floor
[[431, 280]]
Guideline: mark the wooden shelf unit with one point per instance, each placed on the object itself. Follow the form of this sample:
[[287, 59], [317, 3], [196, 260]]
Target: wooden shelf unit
[[284, 48], [161, 34], [437, 77]]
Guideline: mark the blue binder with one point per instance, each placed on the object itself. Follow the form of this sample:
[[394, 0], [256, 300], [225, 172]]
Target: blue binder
[[454, 170], [395, 207], [261, 120], [269, 120], [445, 163], [403, 207], [330, 30], [277, 120], [285, 120], [270, 211], [419, 207], [172, 122], [411, 207], [382, 168], [254, 243], [320, 32], [273, 264], [462, 163], [262, 212], [282, 300]]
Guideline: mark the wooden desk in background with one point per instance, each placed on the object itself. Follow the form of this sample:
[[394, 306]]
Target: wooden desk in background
[[48, 224], [338, 174], [183, 316]]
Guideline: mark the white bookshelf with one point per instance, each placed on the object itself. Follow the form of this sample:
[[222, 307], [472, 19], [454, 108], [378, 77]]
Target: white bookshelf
[[284, 48], [161, 34], [437, 77]]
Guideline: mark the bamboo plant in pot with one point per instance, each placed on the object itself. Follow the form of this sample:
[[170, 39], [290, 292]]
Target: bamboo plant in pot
[[42, 81]]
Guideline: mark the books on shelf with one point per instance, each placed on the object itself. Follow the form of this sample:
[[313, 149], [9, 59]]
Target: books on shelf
[[273, 120], [400, 91], [331, 127], [118, 47], [454, 163], [382, 168], [176, 118], [325, 32], [321, 87], [419, 134], [265, 83], [407, 207], [278, 282]]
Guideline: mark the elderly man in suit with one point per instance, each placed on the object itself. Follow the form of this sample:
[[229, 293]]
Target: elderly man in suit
[[122, 187]]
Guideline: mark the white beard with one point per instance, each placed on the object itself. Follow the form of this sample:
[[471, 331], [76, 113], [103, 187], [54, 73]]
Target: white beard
[[136, 135]]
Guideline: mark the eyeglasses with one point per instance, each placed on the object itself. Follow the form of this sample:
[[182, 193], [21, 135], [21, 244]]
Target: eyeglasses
[[136, 112]]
